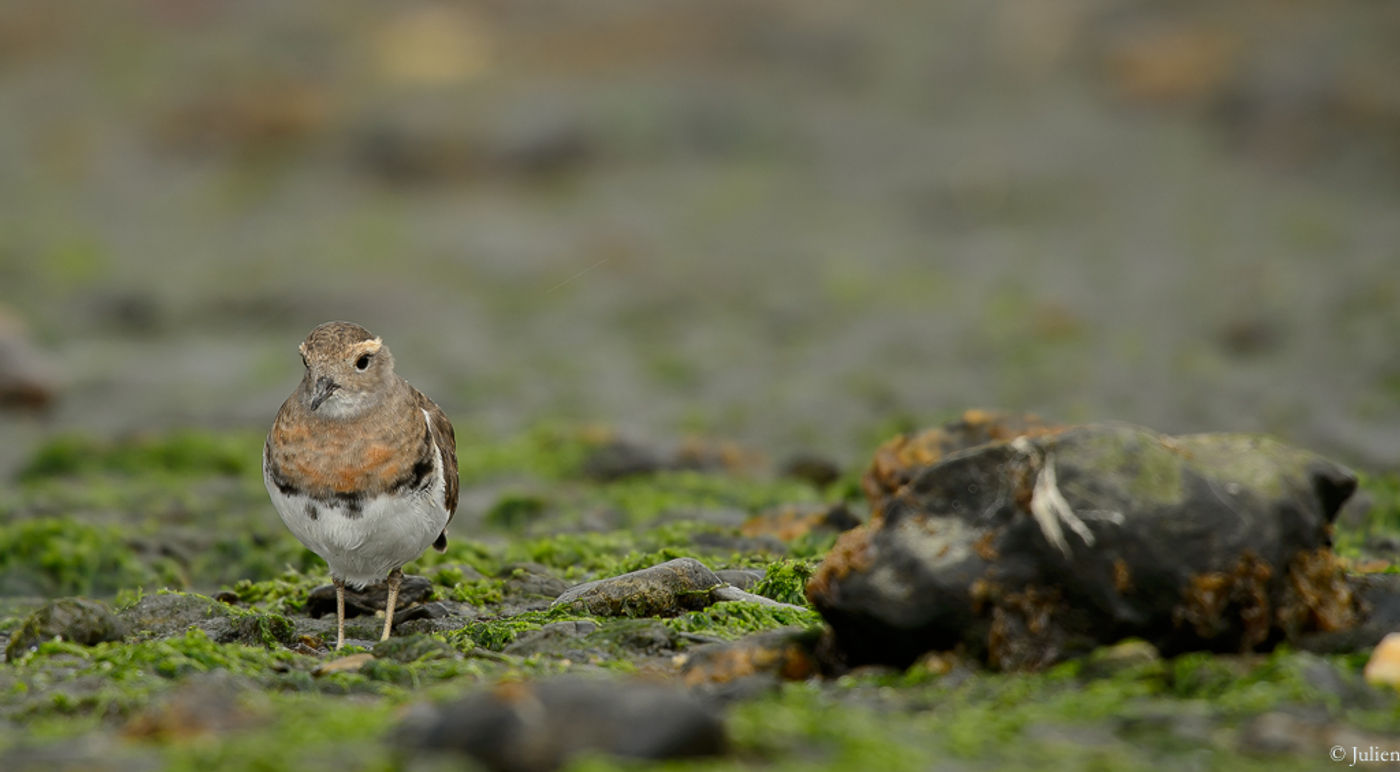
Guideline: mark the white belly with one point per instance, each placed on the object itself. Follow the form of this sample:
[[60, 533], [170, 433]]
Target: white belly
[[363, 548]]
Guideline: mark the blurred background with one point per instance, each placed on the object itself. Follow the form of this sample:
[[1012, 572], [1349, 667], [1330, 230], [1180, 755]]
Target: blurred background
[[800, 224]]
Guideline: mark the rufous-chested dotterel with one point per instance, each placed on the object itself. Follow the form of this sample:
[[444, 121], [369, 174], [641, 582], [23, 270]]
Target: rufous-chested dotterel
[[360, 465]]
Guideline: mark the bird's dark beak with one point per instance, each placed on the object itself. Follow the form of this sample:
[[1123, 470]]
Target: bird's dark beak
[[325, 387]]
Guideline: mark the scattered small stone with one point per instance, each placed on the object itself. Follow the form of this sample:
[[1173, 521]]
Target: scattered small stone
[[620, 457], [539, 726], [1384, 666], [683, 584], [793, 522], [166, 614], [413, 648], [203, 705], [735, 594], [777, 655], [816, 470], [77, 620], [743, 578], [27, 378], [1109, 661], [369, 601], [433, 610], [553, 638], [532, 580], [348, 664]]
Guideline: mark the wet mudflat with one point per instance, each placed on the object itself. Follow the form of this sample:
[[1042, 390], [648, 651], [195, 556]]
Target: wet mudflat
[[201, 639], [790, 230]]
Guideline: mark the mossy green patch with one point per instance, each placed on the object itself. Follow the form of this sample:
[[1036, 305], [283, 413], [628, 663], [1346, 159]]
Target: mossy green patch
[[733, 619], [478, 592], [1381, 517], [514, 511], [786, 581], [63, 556], [283, 593], [551, 452], [496, 634], [643, 498], [184, 453]]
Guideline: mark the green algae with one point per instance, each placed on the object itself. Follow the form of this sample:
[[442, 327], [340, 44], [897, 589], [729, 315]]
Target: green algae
[[181, 453], [786, 581], [63, 556], [1378, 519], [735, 619], [477, 592], [496, 634], [644, 498], [550, 452], [1097, 711]]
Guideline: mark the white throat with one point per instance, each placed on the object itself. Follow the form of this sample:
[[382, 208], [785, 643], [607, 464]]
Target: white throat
[[343, 404]]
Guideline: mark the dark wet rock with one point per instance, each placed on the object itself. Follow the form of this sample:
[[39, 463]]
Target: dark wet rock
[[370, 600], [413, 648], [1380, 597], [1030, 550], [742, 578], [556, 638], [167, 614], [778, 655], [731, 543], [203, 705], [793, 522], [261, 630], [77, 620], [539, 726], [624, 458], [636, 637], [532, 580], [816, 470], [683, 584], [899, 459], [432, 610], [727, 593], [433, 617], [620, 457]]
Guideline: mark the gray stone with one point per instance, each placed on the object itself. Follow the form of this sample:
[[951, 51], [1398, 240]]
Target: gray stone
[[538, 726], [77, 620], [167, 614], [678, 585]]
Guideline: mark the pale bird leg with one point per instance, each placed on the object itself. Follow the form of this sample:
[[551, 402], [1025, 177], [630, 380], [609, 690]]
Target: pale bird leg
[[395, 579], [339, 612]]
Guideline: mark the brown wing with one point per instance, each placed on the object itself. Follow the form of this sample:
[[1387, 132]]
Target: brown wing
[[446, 440]]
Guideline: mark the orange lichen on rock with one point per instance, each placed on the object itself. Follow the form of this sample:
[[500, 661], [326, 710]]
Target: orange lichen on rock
[[1021, 635], [1208, 595], [793, 522], [1318, 596], [899, 458], [850, 554]]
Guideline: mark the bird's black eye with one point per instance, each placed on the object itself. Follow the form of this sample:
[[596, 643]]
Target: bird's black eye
[[362, 362]]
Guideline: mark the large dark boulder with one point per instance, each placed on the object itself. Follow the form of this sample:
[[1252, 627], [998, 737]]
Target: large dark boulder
[[1023, 550]]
